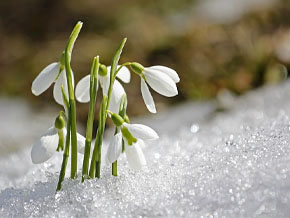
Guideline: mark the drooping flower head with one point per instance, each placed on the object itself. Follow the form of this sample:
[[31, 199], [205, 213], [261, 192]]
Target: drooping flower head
[[52, 141], [132, 135], [53, 73], [160, 78]]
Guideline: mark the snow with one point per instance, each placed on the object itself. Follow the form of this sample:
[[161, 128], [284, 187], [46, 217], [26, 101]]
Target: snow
[[206, 164]]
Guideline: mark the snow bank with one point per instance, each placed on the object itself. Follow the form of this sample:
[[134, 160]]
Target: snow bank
[[230, 164]]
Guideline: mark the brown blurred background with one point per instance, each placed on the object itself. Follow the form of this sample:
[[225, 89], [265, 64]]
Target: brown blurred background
[[213, 44]]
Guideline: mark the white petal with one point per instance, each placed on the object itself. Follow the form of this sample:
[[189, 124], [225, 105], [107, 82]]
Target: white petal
[[105, 83], [160, 82], [115, 148], [147, 97], [142, 144], [57, 94], [168, 71], [45, 147], [45, 78], [135, 156], [81, 141], [141, 131], [83, 89], [117, 93], [124, 74]]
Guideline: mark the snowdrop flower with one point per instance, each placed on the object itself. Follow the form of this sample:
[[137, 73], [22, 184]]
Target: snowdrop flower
[[52, 73], [160, 78], [133, 136], [50, 141], [83, 86]]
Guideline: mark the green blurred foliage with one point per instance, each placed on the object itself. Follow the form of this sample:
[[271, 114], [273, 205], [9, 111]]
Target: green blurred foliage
[[208, 56]]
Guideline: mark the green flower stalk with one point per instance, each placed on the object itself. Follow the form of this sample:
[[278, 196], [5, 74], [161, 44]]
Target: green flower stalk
[[89, 130], [122, 113], [97, 156], [72, 108], [67, 145], [95, 166]]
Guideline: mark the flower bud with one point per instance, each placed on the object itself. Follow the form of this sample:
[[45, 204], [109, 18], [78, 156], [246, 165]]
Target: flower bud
[[137, 68], [103, 70], [59, 122], [117, 119]]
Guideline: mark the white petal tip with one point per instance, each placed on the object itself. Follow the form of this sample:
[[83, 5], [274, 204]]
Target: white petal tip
[[152, 110]]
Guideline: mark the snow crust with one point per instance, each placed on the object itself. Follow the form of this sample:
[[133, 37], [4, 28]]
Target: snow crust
[[234, 163]]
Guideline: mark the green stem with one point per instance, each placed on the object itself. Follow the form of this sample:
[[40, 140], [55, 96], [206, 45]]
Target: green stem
[[122, 113], [66, 149], [72, 111], [114, 69], [97, 156], [114, 168], [89, 130], [95, 167], [65, 158], [119, 68]]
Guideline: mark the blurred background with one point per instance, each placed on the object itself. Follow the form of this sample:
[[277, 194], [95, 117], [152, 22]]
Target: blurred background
[[214, 45]]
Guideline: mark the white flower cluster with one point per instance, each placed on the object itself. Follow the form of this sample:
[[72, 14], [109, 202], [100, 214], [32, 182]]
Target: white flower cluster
[[128, 137], [160, 78]]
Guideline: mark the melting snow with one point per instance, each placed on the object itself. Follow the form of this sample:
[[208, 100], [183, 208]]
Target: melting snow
[[230, 164]]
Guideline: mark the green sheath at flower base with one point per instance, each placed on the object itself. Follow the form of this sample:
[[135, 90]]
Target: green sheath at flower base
[[126, 118], [59, 122], [117, 119], [72, 111], [93, 97], [62, 62], [137, 68], [103, 70]]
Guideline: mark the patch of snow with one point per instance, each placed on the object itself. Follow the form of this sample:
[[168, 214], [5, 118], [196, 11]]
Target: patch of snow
[[235, 164]]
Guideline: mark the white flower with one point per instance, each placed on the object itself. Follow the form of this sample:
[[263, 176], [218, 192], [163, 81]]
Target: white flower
[[83, 88], [162, 80], [46, 77], [134, 153], [46, 146]]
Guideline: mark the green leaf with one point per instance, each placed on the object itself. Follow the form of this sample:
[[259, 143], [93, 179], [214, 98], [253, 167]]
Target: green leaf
[[116, 59]]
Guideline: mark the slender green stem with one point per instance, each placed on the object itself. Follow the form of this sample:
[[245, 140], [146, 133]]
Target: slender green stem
[[114, 168], [95, 167], [72, 111], [66, 149], [65, 158], [97, 156], [122, 113], [89, 130], [119, 68], [114, 69]]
